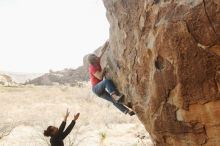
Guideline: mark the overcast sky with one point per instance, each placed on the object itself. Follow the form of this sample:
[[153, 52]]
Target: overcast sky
[[38, 35]]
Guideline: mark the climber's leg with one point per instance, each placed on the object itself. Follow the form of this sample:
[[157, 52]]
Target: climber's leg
[[120, 106], [108, 86]]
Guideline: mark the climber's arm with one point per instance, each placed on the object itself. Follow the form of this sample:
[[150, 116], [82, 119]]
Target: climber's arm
[[100, 74]]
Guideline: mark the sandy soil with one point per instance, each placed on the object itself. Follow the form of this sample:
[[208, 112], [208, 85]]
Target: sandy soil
[[27, 111]]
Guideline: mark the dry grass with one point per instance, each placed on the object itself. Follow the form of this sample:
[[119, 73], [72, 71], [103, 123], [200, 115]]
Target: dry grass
[[36, 107]]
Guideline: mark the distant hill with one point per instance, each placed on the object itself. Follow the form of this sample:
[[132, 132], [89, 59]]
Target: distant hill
[[6, 80], [66, 76], [21, 77]]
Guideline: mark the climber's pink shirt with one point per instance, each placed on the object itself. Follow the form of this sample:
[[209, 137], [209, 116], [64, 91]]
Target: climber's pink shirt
[[92, 70]]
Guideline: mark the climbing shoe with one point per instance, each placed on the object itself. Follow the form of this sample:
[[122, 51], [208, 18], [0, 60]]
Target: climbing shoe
[[118, 98], [131, 113]]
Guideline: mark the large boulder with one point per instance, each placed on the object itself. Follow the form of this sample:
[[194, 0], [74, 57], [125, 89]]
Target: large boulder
[[165, 57]]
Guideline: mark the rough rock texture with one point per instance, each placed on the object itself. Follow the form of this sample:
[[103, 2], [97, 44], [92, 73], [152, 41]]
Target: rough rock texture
[[165, 57]]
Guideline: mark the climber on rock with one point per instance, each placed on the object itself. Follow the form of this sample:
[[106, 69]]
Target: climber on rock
[[58, 134], [105, 88]]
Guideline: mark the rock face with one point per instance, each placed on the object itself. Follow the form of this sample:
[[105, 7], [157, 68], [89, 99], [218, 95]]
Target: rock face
[[165, 57]]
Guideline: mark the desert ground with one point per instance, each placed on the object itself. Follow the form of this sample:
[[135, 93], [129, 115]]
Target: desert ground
[[27, 110]]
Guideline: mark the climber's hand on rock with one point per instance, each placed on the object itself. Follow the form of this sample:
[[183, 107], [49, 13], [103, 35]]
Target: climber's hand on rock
[[104, 71]]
